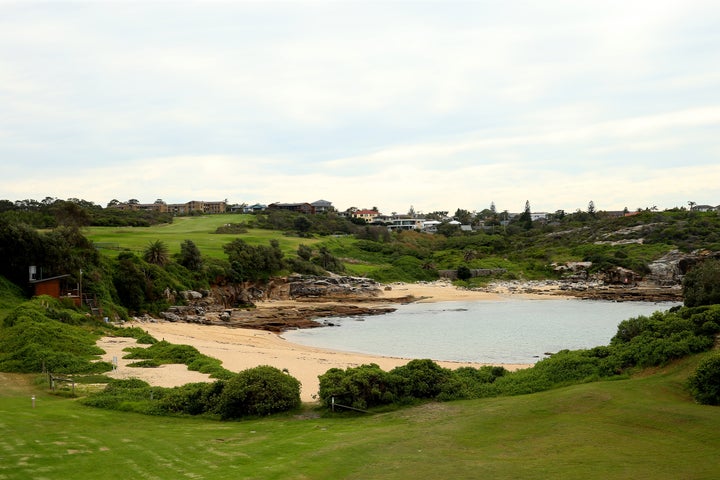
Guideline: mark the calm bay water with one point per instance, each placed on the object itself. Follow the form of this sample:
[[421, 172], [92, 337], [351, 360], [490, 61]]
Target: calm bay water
[[508, 331]]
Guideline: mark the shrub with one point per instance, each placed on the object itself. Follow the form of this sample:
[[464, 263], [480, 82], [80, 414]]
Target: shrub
[[358, 387], [192, 398], [258, 391], [463, 272], [420, 379], [704, 383]]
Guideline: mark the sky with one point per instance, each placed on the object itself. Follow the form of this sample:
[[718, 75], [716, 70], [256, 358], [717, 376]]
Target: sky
[[393, 104]]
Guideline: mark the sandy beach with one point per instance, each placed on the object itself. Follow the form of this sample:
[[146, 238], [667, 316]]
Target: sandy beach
[[240, 348]]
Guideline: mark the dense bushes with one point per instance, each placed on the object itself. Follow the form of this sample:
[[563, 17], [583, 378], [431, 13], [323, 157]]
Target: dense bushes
[[40, 335], [257, 391], [704, 383], [640, 342]]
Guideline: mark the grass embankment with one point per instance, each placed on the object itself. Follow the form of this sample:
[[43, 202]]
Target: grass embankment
[[645, 427], [200, 229], [10, 296]]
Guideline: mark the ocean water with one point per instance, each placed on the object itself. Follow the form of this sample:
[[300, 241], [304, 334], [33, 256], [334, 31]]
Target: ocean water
[[506, 331]]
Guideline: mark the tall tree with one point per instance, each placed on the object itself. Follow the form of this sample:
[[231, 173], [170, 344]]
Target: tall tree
[[591, 208], [525, 219], [156, 252], [190, 256]]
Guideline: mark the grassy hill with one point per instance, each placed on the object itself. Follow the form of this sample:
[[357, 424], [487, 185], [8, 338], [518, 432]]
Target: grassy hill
[[199, 229], [630, 242], [646, 427]]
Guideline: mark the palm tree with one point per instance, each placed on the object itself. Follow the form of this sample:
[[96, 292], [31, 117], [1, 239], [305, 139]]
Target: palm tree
[[157, 252]]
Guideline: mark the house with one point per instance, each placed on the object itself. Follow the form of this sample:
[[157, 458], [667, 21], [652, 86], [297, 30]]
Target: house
[[305, 208], [322, 206], [406, 222], [539, 216], [705, 208], [368, 215], [258, 207], [174, 208], [430, 226]]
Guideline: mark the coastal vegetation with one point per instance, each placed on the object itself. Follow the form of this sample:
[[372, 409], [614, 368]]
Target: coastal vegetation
[[645, 426], [138, 270]]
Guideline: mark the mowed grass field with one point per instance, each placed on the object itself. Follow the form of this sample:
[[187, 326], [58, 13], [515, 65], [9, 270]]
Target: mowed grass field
[[199, 229], [643, 428]]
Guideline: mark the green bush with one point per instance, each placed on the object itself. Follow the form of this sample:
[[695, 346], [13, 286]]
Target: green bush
[[701, 285], [420, 379], [192, 399], [469, 382], [704, 383], [358, 387], [258, 391]]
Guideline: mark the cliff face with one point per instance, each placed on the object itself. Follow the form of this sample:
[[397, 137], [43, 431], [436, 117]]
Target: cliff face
[[671, 268]]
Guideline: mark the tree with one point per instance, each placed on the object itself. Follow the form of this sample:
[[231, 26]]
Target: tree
[[591, 208], [525, 218], [302, 224], [328, 261], [701, 285], [463, 216], [190, 256], [304, 252], [157, 253], [70, 214], [254, 262]]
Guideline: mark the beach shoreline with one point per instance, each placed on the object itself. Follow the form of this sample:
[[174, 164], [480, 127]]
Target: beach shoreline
[[243, 348]]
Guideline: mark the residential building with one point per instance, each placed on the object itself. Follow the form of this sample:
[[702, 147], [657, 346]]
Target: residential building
[[305, 208], [322, 206], [406, 222], [368, 215]]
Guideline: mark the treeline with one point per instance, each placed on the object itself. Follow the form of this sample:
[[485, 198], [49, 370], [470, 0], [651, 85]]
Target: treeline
[[74, 212]]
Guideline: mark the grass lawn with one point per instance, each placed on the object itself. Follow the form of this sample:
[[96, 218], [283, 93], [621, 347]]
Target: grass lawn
[[643, 428], [199, 229]]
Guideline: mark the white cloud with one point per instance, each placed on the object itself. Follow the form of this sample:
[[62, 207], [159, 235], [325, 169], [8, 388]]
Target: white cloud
[[440, 105]]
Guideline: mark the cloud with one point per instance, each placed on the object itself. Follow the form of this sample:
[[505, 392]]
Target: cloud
[[439, 105]]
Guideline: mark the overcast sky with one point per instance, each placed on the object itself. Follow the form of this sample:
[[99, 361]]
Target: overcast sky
[[438, 105]]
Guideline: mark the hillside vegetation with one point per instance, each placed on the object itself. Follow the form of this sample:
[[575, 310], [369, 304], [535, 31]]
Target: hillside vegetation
[[643, 427], [560, 418]]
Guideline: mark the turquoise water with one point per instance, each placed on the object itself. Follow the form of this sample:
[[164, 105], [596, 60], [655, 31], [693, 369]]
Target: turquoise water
[[508, 331]]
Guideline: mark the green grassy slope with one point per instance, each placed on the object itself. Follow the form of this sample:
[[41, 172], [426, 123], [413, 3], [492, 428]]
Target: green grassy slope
[[10, 296], [643, 428], [198, 229]]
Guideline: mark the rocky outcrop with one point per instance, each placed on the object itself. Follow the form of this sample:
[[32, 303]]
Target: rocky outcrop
[[335, 287], [235, 305], [670, 269]]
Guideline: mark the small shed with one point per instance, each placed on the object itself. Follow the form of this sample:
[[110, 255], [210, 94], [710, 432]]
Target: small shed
[[58, 287]]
